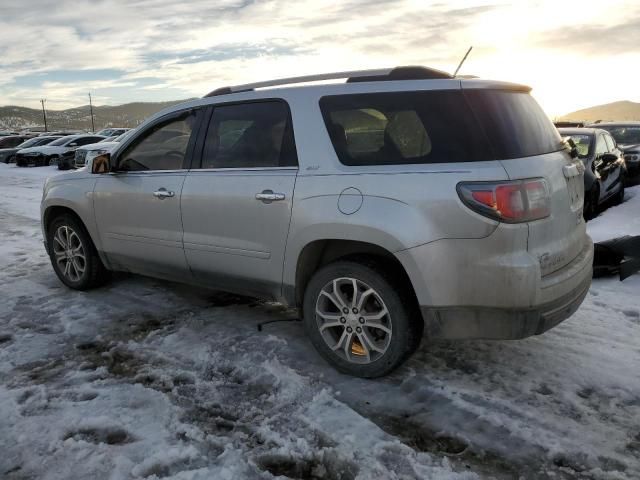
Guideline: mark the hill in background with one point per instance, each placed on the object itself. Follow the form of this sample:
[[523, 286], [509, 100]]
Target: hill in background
[[623, 110], [132, 114], [128, 115]]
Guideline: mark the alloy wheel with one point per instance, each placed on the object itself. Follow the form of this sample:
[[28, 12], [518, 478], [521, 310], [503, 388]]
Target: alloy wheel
[[69, 253], [353, 320]]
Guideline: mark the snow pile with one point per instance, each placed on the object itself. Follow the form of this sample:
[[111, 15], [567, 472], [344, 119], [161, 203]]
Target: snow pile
[[148, 379], [619, 220]]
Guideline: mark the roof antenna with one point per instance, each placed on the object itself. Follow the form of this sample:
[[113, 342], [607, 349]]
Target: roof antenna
[[462, 61]]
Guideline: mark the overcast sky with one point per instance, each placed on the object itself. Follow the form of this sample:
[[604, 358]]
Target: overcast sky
[[573, 53]]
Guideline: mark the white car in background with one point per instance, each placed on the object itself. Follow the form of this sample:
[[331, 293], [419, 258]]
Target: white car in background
[[84, 155]]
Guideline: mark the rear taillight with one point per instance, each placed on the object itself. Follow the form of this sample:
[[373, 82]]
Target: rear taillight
[[509, 201]]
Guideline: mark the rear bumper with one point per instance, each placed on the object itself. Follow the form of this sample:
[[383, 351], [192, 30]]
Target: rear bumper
[[473, 289], [501, 323]]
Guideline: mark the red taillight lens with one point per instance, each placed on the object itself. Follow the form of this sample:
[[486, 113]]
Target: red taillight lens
[[512, 202]]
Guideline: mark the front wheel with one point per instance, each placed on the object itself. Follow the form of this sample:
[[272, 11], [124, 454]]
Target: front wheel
[[358, 321], [73, 255]]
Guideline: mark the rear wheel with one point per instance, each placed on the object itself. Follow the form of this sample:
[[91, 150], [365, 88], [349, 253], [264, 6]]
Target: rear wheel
[[358, 321], [73, 255]]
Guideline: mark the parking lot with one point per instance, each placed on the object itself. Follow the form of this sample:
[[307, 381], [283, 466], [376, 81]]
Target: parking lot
[[143, 378]]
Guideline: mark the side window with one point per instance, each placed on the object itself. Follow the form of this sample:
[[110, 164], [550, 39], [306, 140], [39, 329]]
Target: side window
[[601, 146], [250, 135], [87, 140], [162, 147], [611, 145]]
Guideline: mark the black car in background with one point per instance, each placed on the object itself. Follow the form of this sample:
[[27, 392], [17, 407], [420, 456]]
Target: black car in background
[[627, 136], [604, 167], [11, 141], [8, 155]]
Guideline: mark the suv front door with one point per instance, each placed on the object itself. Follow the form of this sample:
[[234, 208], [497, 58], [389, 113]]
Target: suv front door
[[236, 207], [137, 207]]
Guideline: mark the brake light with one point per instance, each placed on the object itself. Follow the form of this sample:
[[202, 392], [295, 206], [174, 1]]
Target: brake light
[[509, 201]]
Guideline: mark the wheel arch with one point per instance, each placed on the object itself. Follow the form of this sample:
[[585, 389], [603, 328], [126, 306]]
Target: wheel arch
[[53, 211], [317, 253]]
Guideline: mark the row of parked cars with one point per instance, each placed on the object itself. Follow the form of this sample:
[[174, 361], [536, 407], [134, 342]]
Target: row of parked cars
[[59, 148], [610, 152]]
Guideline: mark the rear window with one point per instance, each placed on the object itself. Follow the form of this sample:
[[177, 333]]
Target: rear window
[[441, 126], [403, 128], [582, 143], [514, 122]]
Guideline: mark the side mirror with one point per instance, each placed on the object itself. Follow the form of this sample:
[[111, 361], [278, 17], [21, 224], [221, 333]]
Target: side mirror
[[101, 163], [609, 157], [74, 144]]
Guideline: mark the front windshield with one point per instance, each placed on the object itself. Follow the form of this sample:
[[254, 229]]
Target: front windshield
[[29, 143], [624, 135], [582, 142]]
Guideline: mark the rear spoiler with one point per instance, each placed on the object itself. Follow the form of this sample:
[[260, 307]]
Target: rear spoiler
[[617, 256]]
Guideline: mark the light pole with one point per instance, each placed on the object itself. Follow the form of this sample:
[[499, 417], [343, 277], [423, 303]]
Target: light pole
[[44, 113], [93, 127]]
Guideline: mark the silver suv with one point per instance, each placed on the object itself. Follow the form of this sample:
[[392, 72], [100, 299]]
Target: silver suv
[[402, 203]]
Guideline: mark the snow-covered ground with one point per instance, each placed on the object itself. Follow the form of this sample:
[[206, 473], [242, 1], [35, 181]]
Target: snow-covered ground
[[148, 379]]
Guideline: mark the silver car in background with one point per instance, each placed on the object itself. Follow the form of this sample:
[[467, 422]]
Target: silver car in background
[[403, 203], [85, 155]]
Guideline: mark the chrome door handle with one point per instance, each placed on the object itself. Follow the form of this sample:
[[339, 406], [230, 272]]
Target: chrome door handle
[[163, 193], [268, 196]]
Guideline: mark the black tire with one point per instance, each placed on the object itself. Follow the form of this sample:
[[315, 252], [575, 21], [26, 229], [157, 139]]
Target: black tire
[[94, 274], [404, 318], [590, 210]]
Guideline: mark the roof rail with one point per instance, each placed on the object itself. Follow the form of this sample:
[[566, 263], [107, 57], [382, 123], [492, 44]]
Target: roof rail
[[377, 75]]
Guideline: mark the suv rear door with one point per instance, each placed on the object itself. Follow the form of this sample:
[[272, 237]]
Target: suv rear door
[[137, 207], [529, 146], [236, 202]]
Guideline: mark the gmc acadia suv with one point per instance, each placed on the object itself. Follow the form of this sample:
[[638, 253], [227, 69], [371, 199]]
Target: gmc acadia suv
[[404, 202]]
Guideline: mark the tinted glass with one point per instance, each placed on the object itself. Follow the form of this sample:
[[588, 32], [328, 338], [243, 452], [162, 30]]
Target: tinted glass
[[162, 147], [624, 135], [514, 123], [250, 135], [31, 143], [601, 146], [60, 141], [403, 128], [87, 140], [9, 142], [583, 144], [611, 146]]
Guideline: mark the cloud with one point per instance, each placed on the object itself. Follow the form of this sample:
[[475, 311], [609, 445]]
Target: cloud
[[129, 50], [598, 40], [190, 47]]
